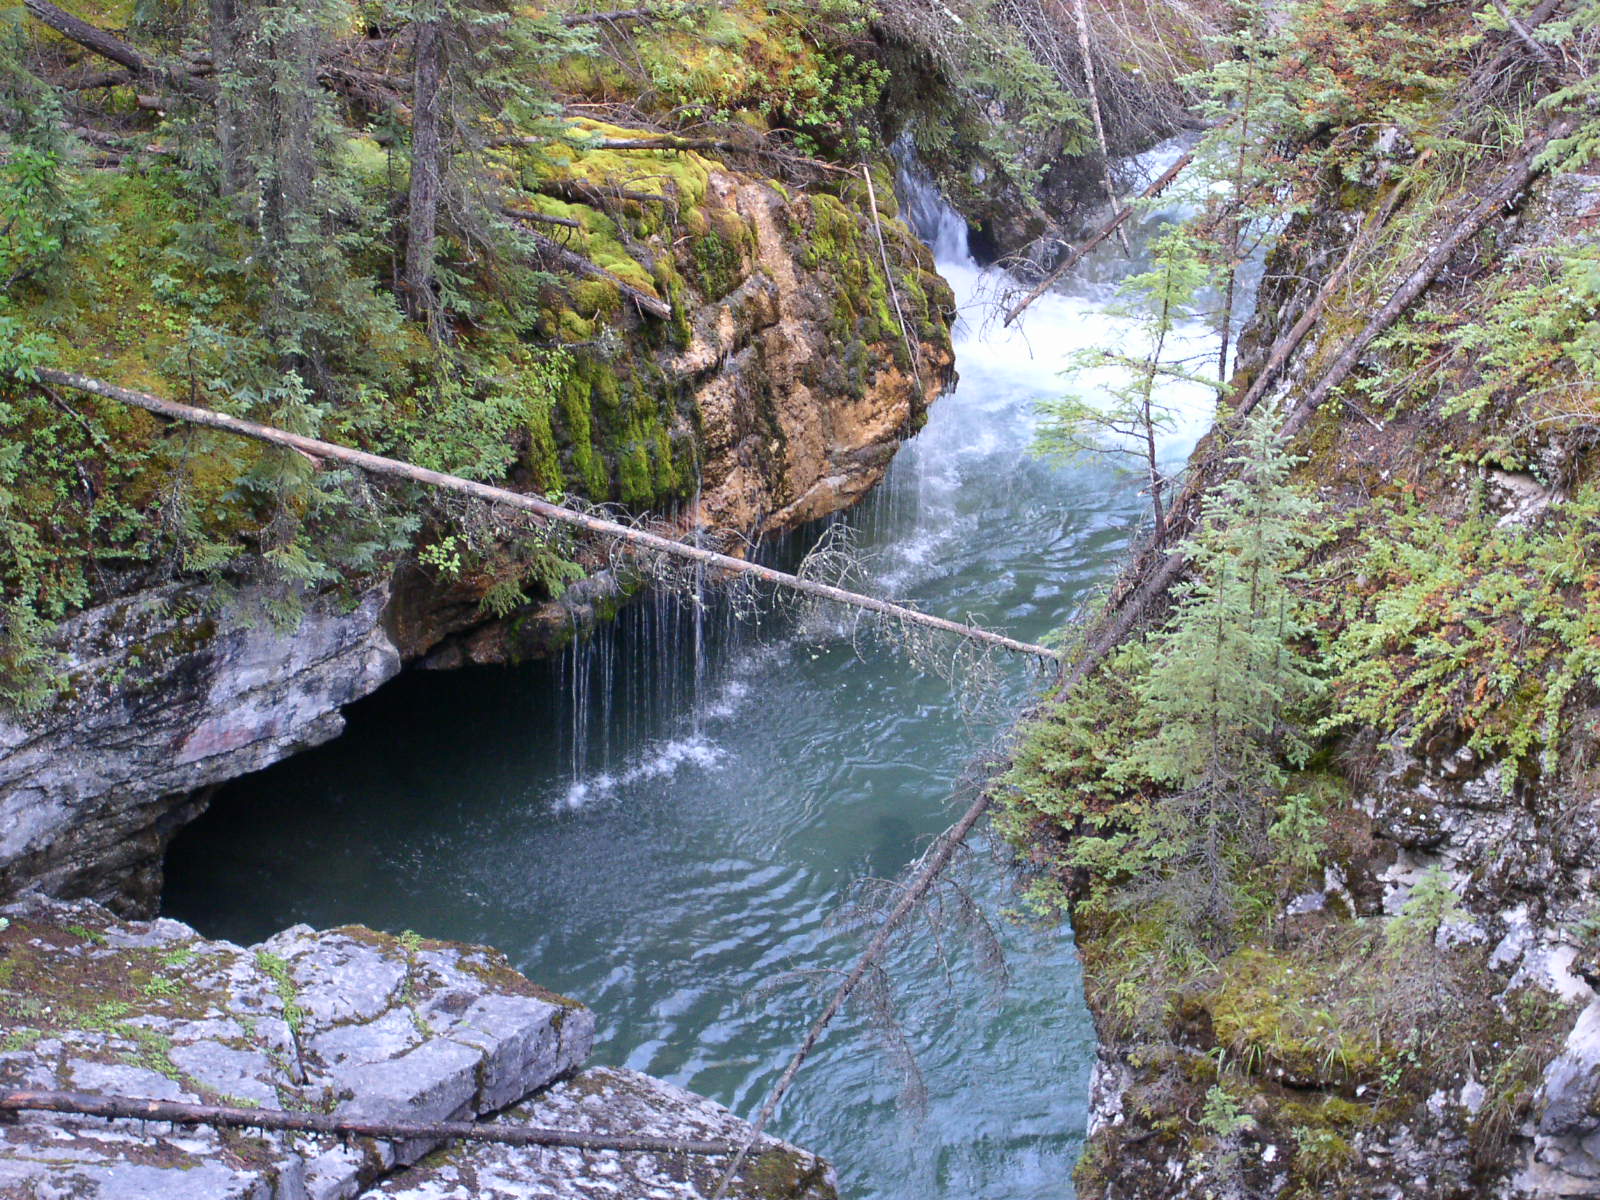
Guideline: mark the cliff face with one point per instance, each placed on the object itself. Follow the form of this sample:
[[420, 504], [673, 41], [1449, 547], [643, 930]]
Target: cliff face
[[1406, 1003], [797, 370], [167, 698], [780, 398]]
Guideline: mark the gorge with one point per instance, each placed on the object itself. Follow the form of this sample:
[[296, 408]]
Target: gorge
[[1290, 886]]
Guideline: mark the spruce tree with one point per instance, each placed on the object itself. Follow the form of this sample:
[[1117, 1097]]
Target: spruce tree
[[1130, 419], [1225, 670]]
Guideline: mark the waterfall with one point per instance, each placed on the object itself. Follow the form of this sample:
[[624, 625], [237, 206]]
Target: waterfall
[[928, 213]]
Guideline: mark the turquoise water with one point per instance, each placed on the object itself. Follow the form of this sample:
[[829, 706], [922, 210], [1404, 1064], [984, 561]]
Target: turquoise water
[[665, 823]]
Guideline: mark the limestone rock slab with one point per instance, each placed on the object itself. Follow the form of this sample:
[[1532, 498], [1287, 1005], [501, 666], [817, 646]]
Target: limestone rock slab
[[348, 1020], [613, 1100]]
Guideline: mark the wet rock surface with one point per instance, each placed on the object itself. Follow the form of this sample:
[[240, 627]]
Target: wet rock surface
[[167, 697], [347, 1021]]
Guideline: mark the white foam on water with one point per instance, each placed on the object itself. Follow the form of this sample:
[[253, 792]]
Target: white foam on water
[[659, 761], [989, 420]]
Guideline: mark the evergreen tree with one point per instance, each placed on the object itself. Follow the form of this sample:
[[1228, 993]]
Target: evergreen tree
[[1225, 670], [1158, 300]]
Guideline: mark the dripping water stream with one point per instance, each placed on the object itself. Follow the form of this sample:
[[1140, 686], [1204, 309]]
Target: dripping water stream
[[663, 821]]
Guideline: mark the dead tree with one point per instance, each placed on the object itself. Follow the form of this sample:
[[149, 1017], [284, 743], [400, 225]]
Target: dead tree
[[225, 1117], [427, 167]]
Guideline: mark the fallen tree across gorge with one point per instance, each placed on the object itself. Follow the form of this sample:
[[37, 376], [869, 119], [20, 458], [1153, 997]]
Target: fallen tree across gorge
[[629, 537]]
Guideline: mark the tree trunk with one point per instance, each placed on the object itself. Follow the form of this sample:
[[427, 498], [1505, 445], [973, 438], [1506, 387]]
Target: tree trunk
[[427, 168], [224, 37], [1082, 20], [1235, 226]]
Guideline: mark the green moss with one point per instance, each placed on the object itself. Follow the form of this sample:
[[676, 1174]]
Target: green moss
[[1279, 1015], [276, 969], [596, 298], [719, 265]]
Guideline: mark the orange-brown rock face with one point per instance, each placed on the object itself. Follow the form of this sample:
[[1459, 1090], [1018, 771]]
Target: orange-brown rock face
[[804, 384], [802, 352]]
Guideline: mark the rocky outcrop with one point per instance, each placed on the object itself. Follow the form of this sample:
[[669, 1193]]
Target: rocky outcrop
[[798, 367], [346, 1021], [169, 692], [1327, 1049], [795, 369]]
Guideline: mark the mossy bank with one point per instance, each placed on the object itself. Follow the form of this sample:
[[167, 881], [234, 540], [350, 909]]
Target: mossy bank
[[1355, 955]]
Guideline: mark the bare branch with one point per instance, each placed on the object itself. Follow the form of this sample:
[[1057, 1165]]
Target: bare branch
[[135, 1108], [1099, 235]]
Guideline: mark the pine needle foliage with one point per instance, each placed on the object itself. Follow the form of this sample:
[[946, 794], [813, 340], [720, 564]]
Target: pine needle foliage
[[1171, 767], [1133, 414], [1227, 670]]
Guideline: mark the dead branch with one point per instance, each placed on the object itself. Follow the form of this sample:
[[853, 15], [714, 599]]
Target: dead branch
[[574, 261], [1542, 53], [933, 863], [138, 1109], [528, 214], [1098, 236], [888, 276], [93, 38], [636, 539]]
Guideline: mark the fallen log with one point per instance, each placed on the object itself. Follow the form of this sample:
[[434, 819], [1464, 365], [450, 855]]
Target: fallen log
[[636, 539], [225, 1117], [111, 47], [1522, 172], [576, 191], [1285, 347], [614, 14], [1115, 223], [572, 260], [672, 142], [528, 214]]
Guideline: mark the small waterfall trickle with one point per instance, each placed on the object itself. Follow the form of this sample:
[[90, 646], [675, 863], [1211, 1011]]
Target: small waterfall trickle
[[697, 599], [926, 210]]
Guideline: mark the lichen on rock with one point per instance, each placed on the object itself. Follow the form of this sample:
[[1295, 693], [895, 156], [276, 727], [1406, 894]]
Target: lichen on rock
[[346, 1021]]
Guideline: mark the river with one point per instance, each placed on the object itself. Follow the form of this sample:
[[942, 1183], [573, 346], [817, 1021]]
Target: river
[[668, 834]]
